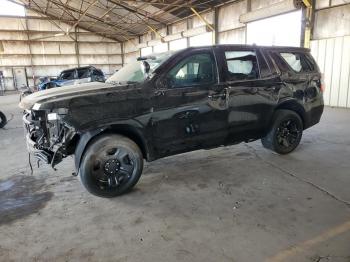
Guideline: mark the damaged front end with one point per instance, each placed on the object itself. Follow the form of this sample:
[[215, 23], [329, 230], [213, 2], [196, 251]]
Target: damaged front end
[[49, 138]]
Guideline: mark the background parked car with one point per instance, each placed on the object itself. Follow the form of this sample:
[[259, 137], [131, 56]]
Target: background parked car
[[3, 119], [73, 76]]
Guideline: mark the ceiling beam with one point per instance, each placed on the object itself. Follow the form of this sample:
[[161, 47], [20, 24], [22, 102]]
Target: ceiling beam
[[137, 11], [47, 6], [64, 10], [176, 4], [82, 15], [41, 12], [37, 18], [125, 31]]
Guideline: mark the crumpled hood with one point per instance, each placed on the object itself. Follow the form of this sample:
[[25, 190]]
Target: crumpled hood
[[65, 92]]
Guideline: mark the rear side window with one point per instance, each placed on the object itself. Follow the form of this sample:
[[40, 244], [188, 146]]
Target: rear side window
[[97, 72], [299, 62], [83, 73], [241, 65], [67, 75]]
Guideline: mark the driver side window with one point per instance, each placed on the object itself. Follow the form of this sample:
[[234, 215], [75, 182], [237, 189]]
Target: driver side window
[[194, 70]]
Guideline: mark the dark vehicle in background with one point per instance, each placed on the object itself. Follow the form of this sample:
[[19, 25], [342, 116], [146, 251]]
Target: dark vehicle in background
[[161, 105], [3, 120], [73, 76]]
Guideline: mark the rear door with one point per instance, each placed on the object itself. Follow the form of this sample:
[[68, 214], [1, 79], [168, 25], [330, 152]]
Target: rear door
[[252, 91]]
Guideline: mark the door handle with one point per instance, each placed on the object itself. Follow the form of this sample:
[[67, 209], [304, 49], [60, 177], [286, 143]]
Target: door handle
[[216, 96], [159, 93], [186, 114], [270, 88], [281, 83]]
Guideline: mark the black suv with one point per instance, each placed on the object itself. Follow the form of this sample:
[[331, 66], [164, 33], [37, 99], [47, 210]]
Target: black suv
[[171, 103]]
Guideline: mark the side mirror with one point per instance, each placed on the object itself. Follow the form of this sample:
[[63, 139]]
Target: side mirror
[[162, 82], [165, 82], [146, 67]]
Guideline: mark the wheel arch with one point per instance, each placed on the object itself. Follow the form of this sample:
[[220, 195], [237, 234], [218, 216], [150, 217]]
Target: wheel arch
[[132, 133], [293, 106], [126, 130]]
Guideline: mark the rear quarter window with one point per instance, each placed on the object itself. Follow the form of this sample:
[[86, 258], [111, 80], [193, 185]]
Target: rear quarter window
[[298, 62]]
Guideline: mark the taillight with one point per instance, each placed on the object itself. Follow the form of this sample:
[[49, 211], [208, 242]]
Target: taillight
[[322, 85]]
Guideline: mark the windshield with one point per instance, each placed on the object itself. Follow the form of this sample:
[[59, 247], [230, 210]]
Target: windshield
[[134, 72]]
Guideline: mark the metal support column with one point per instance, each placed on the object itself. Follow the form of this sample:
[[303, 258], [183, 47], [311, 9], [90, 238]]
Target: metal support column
[[122, 48], [188, 26], [76, 46], [31, 56], [216, 26], [307, 15]]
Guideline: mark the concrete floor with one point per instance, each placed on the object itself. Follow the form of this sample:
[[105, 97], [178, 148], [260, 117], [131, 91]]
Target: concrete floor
[[238, 203]]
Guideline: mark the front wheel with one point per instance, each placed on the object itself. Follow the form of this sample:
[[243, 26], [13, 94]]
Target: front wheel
[[285, 133], [3, 120], [111, 165]]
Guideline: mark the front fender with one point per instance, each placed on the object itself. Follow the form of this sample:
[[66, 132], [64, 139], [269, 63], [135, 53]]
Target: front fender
[[131, 129], [83, 142]]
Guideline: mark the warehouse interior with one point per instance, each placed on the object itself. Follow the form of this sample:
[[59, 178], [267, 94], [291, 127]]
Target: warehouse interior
[[231, 203]]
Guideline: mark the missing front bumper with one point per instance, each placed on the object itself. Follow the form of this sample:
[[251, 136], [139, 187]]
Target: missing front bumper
[[47, 156]]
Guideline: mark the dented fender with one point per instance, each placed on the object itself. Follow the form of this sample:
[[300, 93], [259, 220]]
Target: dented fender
[[132, 129], [85, 138]]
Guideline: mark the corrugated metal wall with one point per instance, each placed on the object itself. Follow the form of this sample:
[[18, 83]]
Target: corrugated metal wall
[[333, 58], [230, 30], [331, 49], [27, 45]]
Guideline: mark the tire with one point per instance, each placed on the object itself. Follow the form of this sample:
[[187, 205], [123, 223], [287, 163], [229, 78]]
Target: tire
[[111, 165], [285, 133], [3, 120]]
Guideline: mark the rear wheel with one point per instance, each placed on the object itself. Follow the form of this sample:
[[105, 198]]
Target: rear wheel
[[111, 165], [285, 133], [3, 120]]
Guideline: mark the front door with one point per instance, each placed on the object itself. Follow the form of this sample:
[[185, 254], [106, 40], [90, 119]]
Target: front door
[[183, 118]]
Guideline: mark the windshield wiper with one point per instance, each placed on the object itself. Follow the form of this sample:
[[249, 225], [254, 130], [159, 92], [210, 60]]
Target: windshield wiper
[[122, 83], [114, 82]]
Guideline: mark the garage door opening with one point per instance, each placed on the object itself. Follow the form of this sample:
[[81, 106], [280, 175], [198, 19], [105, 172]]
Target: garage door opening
[[281, 30]]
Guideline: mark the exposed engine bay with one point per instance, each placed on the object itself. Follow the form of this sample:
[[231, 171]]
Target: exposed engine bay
[[48, 137]]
